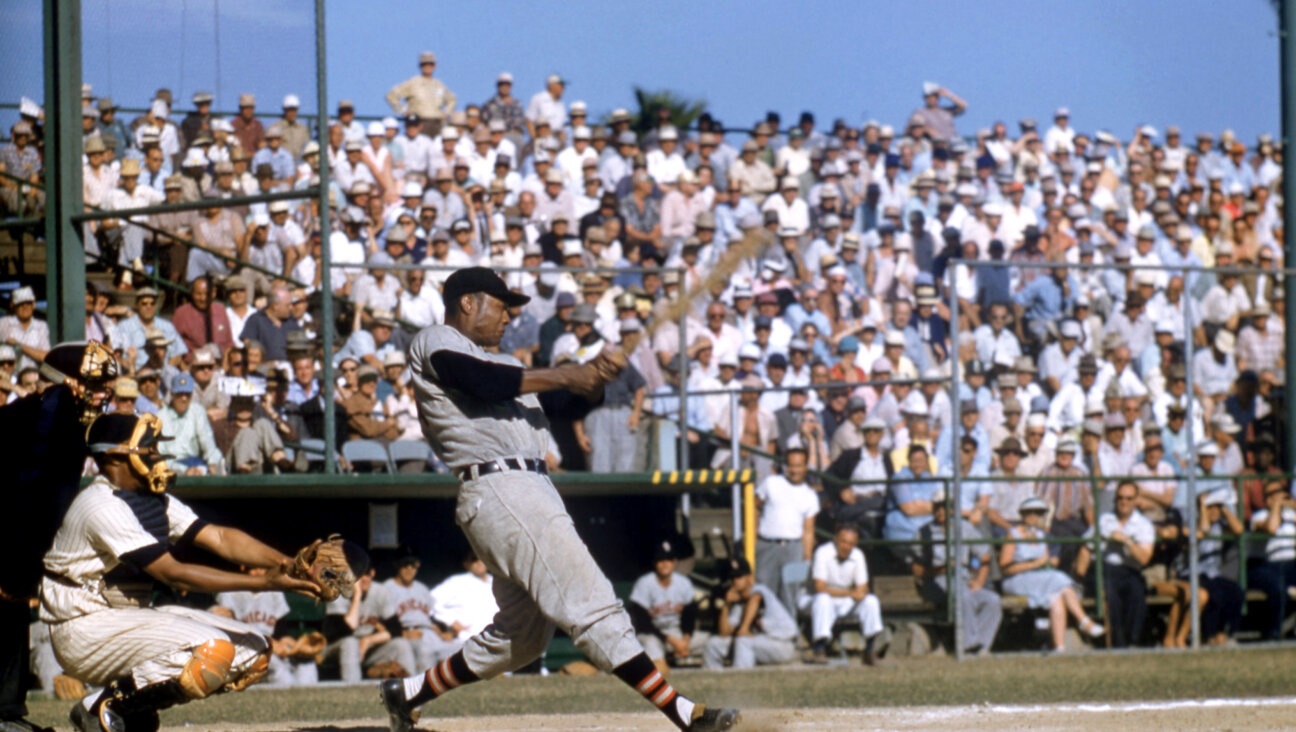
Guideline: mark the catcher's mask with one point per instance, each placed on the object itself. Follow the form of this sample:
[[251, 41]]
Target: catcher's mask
[[88, 369], [137, 437]]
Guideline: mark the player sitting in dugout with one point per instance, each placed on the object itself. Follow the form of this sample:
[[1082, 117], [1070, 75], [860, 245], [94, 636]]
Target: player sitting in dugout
[[114, 541], [663, 609]]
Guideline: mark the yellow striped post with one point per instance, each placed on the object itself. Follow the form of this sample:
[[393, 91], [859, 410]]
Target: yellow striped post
[[749, 521]]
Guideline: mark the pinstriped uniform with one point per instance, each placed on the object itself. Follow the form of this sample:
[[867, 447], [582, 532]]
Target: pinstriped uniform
[[96, 598]]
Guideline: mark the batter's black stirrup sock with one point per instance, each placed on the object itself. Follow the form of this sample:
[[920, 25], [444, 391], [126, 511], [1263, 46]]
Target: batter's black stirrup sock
[[640, 673], [449, 674]]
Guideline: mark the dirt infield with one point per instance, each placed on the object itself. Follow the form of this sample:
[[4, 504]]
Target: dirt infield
[[1250, 714]]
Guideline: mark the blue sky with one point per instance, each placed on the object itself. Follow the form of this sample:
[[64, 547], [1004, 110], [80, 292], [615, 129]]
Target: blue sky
[[1115, 63]]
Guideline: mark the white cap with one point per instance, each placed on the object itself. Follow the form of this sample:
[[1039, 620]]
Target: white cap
[[914, 403], [581, 133], [930, 87], [1208, 449], [291, 102], [572, 248], [390, 123], [22, 295], [668, 132], [749, 350], [260, 219], [194, 157], [504, 78], [375, 129], [158, 108], [577, 106], [993, 209]]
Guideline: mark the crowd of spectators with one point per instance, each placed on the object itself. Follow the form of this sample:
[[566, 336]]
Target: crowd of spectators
[[835, 328]]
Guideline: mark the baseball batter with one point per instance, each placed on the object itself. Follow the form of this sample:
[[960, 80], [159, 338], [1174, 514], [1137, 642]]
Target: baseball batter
[[97, 588], [480, 413]]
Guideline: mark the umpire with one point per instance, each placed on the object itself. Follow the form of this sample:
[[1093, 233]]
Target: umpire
[[45, 434]]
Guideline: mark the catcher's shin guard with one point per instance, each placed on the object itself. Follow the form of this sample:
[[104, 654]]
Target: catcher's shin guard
[[257, 671], [208, 669]]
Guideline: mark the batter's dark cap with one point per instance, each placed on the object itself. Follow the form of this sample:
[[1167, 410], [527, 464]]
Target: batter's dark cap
[[480, 279]]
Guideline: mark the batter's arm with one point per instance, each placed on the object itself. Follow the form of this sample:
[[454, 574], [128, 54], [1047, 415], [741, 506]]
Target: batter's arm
[[493, 382]]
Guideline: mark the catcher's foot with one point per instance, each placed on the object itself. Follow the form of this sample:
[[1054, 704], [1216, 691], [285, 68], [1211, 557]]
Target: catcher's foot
[[715, 720], [100, 717], [401, 715]]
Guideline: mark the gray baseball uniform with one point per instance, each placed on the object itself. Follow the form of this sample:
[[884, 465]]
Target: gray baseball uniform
[[413, 607], [665, 605], [374, 608], [96, 597], [773, 638], [514, 520], [261, 611]]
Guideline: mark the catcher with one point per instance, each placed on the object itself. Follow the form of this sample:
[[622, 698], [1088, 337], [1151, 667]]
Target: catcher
[[115, 539]]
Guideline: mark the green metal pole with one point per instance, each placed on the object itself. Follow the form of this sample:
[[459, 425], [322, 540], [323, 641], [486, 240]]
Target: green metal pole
[[64, 250], [1287, 56], [326, 255]]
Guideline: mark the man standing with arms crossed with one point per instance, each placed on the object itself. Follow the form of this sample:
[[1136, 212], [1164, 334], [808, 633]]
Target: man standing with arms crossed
[[480, 413]]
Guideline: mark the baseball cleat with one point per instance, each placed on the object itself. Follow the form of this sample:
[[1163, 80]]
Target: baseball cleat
[[401, 716], [715, 720]]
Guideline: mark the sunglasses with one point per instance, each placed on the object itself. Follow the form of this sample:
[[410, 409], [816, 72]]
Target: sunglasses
[[347, 370]]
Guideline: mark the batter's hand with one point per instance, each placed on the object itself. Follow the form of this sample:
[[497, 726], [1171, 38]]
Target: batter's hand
[[609, 363]]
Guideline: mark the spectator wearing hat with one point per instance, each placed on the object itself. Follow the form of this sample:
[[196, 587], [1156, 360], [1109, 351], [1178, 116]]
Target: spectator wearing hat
[[22, 330], [191, 440], [150, 399], [665, 164], [1158, 486], [247, 437], [366, 416], [1070, 493], [351, 168], [757, 427], [423, 96], [547, 106], [755, 175], [371, 344], [753, 627], [1126, 548], [864, 470], [155, 352], [1042, 302], [839, 587], [610, 433], [20, 158], [125, 392], [133, 330], [1010, 487], [280, 160], [663, 610], [1224, 306], [1029, 570], [1275, 573], [1214, 371], [295, 133], [846, 369], [505, 108], [1260, 344], [207, 387], [937, 119], [1066, 409], [98, 179], [793, 212], [1221, 613], [980, 608]]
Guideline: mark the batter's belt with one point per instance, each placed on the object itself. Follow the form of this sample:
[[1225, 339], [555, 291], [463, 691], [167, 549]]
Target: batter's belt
[[473, 472]]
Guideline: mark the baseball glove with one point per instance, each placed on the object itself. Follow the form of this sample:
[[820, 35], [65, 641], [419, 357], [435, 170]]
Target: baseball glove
[[333, 564]]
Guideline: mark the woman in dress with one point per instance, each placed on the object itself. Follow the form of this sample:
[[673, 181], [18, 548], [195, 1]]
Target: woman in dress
[[1029, 570]]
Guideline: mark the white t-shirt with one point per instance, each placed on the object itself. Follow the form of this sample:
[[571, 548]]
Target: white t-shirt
[[1136, 527], [784, 509], [467, 600], [834, 572]]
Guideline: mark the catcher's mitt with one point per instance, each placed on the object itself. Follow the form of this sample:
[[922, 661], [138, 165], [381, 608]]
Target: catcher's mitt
[[333, 564]]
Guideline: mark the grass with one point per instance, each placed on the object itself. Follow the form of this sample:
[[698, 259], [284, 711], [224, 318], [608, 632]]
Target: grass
[[932, 681]]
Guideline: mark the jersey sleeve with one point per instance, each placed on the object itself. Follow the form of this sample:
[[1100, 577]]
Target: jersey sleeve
[[861, 568], [181, 520], [640, 594], [114, 529], [811, 507], [820, 567]]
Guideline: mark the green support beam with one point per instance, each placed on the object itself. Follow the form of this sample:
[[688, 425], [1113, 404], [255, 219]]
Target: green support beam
[[65, 252]]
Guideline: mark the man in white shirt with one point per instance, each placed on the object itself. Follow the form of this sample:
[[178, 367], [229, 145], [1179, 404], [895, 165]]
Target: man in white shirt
[[793, 212], [464, 603], [1061, 135], [785, 530], [665, 163], [1127, 548], [548, 105], [129, 195], [840, 581], [571, 160]]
